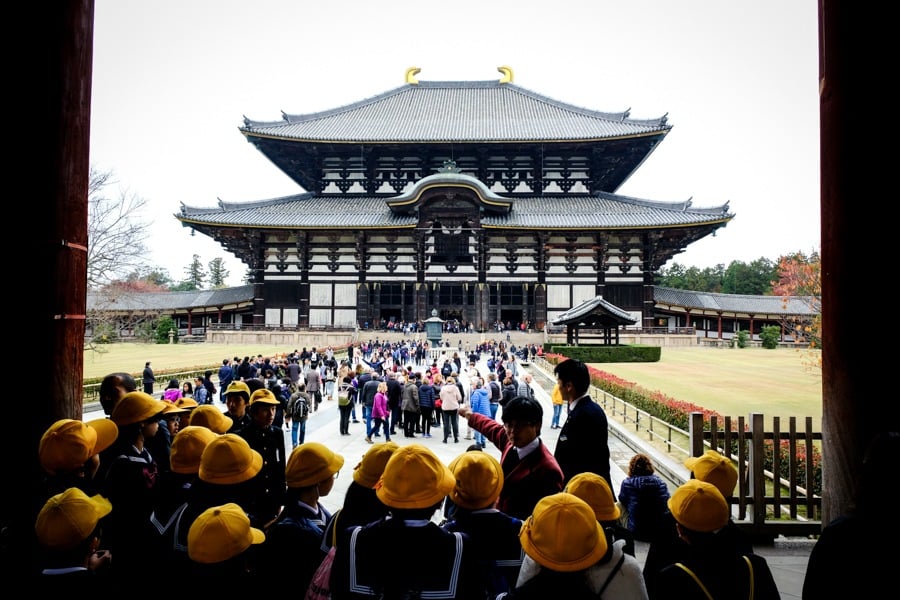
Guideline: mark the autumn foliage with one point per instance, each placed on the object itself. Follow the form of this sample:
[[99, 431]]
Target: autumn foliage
[[800, 275]]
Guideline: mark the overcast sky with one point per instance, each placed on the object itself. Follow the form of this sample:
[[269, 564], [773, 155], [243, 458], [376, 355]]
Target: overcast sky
[[173, 80]]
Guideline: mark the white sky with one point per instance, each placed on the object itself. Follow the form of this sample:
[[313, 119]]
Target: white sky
[[173, 79]]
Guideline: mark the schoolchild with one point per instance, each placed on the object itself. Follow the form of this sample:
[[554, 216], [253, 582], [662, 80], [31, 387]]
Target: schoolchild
[[293, 545], [711, 567], [221, 545], [413, 485], [479, 479]]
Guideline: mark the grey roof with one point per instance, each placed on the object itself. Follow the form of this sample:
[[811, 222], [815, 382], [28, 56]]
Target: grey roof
[[456, 111], [600, 211], [168, 301], [598, 308], [737, 303], [728, 303]]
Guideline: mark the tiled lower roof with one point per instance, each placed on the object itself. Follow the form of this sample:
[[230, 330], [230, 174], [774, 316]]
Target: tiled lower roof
[[595, 306], [538, 212], [727, 303], [736, 303]]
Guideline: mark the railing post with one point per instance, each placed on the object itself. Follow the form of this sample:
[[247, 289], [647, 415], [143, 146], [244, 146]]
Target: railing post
[[757, 468], [695, 430]]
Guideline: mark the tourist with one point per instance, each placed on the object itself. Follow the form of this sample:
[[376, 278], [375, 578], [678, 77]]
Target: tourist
[[480, 403], [381, 415], [451, 401], [557, 402], [113, 387], [147, 378], [643, 495]]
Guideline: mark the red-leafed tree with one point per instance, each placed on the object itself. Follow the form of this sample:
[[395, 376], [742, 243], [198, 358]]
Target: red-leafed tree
[[800, 275]]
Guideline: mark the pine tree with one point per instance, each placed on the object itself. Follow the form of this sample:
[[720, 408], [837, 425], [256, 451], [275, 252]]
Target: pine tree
[[195, 275], [217, 273]]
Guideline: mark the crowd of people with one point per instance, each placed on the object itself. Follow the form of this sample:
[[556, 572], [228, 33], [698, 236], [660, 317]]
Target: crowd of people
[[202, 492]]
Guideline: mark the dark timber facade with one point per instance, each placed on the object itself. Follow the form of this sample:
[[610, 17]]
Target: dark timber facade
[[483, 200]]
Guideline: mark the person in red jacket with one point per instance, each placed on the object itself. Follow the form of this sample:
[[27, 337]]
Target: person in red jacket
[[529, 469]]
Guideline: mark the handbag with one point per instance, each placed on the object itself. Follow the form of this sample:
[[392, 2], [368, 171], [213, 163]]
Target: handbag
[[438, 403], [320, 584]]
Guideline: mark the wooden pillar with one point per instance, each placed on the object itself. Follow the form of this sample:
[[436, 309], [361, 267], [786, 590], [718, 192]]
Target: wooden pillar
[[54, 85], [846, 92], [61, 161]]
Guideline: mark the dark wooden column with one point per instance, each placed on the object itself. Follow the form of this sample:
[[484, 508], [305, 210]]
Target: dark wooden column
[[52, 80], [60, 156], [852, 45]]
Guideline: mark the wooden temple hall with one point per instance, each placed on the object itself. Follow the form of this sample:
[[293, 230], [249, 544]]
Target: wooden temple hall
[[482, 200]]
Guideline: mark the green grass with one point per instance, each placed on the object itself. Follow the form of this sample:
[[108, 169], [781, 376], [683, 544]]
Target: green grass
[[130, 357], [733, 381]]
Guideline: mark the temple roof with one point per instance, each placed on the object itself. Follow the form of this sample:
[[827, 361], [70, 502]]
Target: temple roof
[[563, 212], [665, 298], [595, 312], [711, 302], [456, 111]]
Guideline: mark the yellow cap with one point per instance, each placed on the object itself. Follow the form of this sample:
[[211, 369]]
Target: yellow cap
[[220, 533], [563, 534]]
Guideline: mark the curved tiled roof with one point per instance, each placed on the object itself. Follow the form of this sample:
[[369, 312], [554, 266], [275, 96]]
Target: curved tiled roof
[[664, 296], [736, 303], [169, 301], [456, 111], [600, 211], [600, 309]]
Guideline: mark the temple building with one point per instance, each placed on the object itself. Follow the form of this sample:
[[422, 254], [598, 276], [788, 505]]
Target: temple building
[[483, 200]]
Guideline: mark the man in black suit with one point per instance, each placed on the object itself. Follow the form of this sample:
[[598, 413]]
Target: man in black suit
[[148, 379], [583, 441]]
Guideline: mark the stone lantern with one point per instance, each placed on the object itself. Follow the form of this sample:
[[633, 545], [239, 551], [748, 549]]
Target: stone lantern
[[434, 328]]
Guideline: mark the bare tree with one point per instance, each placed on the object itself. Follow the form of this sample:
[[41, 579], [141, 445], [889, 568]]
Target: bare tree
[[116, 232]]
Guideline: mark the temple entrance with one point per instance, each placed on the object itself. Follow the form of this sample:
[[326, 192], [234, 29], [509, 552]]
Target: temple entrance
[[450, 314]]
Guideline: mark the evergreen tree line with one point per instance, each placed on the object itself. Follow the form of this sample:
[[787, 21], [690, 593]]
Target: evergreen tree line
[[755, 278]]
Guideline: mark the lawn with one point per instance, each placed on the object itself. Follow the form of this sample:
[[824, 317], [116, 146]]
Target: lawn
[[733, 381], [130, 357]]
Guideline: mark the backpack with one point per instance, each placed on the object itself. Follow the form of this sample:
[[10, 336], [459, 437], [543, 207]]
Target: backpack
[[300, 408]]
